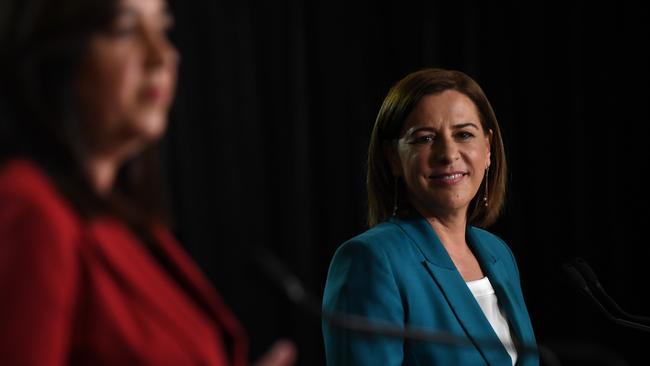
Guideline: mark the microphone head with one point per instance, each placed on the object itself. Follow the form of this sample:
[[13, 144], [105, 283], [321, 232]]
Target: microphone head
[[586, 271], [286, 280], [575, 277], [579, 281], [276, 270]]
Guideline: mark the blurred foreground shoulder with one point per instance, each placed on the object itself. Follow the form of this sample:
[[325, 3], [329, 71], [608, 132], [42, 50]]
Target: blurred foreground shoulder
[[38, 267], [30, 201]]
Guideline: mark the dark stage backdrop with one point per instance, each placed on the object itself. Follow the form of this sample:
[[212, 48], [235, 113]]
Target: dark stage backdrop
[[276, 100]]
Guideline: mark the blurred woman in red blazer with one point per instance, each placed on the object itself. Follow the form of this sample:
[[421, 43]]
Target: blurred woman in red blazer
[[89, 273]]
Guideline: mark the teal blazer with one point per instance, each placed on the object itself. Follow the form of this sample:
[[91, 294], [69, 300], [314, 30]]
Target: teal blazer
[[399, 272]]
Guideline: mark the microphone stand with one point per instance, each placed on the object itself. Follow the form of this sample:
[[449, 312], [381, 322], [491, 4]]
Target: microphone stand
[[579, 281], [592, 280]]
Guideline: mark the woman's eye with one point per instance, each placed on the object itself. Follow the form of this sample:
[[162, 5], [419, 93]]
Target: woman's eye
[[124, 24], [464, 135], [123, 31], [426, 139]]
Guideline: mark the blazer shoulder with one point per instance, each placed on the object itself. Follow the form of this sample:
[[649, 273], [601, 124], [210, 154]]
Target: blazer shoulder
[[385, 237], [28, 195], [492, 241]]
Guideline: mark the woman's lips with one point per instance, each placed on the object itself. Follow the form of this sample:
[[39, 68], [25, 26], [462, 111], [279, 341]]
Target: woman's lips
[[448, 179], [154, 94]]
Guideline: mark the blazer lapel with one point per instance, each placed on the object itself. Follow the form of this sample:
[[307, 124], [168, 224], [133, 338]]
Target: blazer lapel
[[458, 295], [142, 276], [506, 290], [195, 278], [139, 275]]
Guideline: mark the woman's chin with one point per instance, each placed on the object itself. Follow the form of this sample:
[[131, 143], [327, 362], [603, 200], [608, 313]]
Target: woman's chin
[[141, 133], [150, 127]]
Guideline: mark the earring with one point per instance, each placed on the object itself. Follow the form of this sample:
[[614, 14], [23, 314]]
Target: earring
[[485, 194], [395, 198]]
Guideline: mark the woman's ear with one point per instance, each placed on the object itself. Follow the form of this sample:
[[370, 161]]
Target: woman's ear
[[392, 157]]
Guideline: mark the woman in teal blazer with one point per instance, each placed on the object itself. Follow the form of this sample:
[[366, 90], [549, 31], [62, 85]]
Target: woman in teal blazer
[[436, 173]]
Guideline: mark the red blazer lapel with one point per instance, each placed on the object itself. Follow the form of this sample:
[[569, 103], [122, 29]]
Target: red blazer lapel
[[144, 279], [222, 315]]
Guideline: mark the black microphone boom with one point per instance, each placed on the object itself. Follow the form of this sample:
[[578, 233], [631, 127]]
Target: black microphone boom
[[592, 280], [578, 281]]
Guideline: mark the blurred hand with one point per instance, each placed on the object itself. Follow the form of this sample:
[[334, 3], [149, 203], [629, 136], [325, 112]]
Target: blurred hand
[[282, 353]]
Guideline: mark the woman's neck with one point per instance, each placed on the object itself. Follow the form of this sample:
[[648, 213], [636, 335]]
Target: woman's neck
[[102, 172], [449, 225], [450, 231]]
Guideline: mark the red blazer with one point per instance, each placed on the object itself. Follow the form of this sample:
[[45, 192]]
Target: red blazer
[[88, 292]]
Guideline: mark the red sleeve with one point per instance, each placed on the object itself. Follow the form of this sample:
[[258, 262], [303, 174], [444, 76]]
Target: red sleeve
[[38, 272]]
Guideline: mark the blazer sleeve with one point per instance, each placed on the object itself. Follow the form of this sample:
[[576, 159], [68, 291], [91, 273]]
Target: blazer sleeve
[[361, 282], [37, 282]]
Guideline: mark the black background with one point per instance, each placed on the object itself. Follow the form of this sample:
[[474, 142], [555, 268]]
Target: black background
[[276, 101]]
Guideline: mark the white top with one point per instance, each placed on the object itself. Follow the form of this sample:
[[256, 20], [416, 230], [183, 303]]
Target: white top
[[487, 300]]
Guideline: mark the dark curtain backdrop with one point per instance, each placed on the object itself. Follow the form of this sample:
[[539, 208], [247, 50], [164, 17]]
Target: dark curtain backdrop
[[276, 101]]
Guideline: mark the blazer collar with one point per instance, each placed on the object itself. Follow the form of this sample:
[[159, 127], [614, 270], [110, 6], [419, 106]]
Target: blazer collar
[[425, 238], [460, 298]]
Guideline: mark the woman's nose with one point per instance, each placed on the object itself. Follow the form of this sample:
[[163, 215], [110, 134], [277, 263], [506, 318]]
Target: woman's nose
[[159, 50], [445, 151]]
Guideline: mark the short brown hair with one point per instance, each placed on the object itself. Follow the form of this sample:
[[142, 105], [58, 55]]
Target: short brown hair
[[397, 106]]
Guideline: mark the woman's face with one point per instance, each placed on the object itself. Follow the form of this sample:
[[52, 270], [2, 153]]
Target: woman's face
[[127, 79], [442, 154]]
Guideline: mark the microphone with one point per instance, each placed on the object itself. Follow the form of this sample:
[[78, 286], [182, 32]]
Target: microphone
[[578, 281], [298, 295], [593, 282]]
